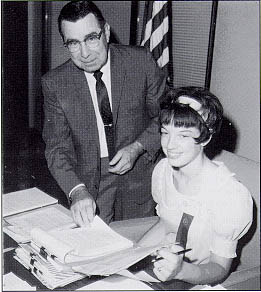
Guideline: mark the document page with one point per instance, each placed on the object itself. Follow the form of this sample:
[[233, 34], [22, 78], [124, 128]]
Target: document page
[[114, 263], [48, 218], [116, 283], [21, 201], [13, 283], [74, 245]]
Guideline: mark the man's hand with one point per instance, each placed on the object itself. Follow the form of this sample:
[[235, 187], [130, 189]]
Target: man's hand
[[83, 206], [125, 158]]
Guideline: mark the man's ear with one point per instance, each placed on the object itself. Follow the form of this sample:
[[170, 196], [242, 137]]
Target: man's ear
[[206, 142], [107, 31]]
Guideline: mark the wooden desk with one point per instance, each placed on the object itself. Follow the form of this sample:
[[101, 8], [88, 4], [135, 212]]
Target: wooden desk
[[132, 229]]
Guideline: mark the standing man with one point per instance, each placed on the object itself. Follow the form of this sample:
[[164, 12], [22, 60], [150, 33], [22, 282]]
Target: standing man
[[100, 128]]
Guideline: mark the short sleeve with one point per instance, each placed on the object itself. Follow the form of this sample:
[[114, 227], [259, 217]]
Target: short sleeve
[[157, 180], [157, 183], [232, 217]]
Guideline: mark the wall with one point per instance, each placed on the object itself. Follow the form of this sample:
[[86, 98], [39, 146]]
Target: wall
[[117, 14], [235, 72], [190, 38], [34, 62]]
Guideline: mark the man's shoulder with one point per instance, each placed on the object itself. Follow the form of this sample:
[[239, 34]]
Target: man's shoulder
[[127, 50], [60, 71]]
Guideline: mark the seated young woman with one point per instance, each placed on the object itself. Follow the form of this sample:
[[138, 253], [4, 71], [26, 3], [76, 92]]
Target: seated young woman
[[201, 205]]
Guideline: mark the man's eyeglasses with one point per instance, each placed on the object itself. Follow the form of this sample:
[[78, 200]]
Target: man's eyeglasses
[[92, 41]]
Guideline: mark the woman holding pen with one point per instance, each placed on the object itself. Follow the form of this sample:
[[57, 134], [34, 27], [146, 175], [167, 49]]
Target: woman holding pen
[[201, 205]]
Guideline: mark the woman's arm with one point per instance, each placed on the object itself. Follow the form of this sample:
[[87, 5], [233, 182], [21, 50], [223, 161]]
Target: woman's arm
[[211, 273], [173, 267]]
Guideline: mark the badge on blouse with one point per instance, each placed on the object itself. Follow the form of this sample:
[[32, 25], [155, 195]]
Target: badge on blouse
[[183, 229]]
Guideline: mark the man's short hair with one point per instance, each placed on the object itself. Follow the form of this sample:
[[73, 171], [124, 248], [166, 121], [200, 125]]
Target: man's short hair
[[76, 10]]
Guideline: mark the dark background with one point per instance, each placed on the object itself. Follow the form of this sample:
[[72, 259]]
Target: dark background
[[23, 162]]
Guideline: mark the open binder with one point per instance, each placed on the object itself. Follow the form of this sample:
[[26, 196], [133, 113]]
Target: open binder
[[27, 209], [81, 243], [94, 250]]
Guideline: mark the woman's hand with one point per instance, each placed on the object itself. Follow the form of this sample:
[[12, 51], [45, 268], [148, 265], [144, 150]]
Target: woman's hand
[[170, 263]]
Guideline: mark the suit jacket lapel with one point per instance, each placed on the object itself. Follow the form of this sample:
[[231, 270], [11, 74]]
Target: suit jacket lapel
[[118, 76], [82, 102]]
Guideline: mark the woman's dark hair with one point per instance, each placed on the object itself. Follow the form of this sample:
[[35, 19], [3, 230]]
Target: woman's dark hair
[[183, 115], [76, 10]]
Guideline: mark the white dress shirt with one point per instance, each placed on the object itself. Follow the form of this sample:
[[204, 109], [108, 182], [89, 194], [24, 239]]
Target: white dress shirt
[[106, 77]]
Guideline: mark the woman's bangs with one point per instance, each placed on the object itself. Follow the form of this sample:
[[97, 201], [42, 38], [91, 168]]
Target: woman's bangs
[[181, 117], [166, 116], [186, 120]]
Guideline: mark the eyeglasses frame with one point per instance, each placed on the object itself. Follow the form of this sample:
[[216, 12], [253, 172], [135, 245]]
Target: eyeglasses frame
[[84, 41]]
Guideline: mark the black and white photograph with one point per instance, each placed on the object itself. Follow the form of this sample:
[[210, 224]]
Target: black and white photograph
[[130, 145]]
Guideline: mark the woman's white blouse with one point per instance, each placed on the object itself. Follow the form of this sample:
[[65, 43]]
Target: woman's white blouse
[[222, 210]]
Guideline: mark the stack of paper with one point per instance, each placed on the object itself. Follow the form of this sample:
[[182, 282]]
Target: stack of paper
[[60, 257], [27, 209], [51, 255], [76, 245], [54, 218], [48, 271], [58, 252]]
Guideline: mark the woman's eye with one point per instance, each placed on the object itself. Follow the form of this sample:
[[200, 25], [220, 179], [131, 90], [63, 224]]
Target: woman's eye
[[184, 136]]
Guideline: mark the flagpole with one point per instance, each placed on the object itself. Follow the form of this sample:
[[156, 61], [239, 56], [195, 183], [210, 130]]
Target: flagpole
[[134, 23], [170, 78], [211, 43], [145, 19]]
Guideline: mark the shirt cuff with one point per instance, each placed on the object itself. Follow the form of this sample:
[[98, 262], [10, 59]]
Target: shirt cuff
[[76, 187]]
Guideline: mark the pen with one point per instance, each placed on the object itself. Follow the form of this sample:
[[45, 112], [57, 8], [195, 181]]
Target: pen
[[182, 251], [155, 259]]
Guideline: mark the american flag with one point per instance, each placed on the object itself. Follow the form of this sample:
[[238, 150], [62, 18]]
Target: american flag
[[155, 31]]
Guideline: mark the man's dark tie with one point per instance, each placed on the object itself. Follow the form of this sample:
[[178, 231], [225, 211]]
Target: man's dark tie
[[105, 111]]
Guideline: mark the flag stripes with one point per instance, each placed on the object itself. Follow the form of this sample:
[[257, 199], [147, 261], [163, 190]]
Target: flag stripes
[[155, 29], [161, 15]]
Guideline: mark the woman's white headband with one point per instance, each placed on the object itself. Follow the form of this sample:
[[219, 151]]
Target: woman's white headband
[[195, 105]]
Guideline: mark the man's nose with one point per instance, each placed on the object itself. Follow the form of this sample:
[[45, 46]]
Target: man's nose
[[85, 51]]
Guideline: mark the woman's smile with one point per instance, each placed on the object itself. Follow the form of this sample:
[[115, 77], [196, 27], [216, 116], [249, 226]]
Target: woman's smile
[[174, 155]]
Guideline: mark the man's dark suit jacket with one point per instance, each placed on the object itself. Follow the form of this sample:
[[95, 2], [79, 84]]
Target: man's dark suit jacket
[[70, 130]]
